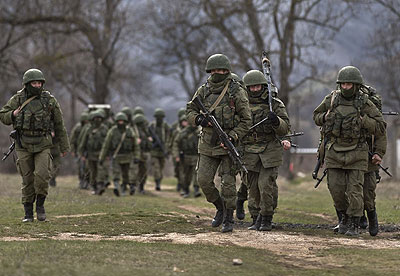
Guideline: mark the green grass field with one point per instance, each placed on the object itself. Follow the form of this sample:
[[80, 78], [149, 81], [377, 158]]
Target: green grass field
[[161, 233]]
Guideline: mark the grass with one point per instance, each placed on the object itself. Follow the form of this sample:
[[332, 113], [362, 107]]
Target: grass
[[161, 213]]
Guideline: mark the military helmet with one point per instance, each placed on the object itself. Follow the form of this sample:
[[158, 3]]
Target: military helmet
[[138, 110], [95, 114], [158, 112], [181, 111], [127, 110], [139, 118], [121, 116], [84, 116], [254, 77], [33, 75], [218, 61], [350, 74]]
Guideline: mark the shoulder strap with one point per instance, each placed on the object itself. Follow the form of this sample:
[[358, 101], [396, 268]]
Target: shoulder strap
[[27, 102], [216, 103], [119, 145], [334, 93]]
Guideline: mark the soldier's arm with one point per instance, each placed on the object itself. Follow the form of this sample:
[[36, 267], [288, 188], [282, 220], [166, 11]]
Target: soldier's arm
[[61, 136], [380, 144], [284, 123], [83, 139], [6, 113], [372, 120], [74, 138], [106, 146], [191, 109], [243, 109], [175, 146], [320, 111], [136, 148]]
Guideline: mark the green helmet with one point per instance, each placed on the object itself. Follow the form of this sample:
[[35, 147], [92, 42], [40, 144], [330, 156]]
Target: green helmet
[[139, 118], [159, 112], [138, 110], [121, 116], [95, 114], [350, 74], [181, 111], [33, 75], [254, 77], [127, 110], [84, 116], [218, 61]]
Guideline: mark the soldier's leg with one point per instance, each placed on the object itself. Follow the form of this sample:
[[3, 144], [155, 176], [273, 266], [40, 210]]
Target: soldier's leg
[[93, 175], [186, 174], [42, 174], [55, 153], [254, 199], [337, 188], [369, 202], [162, 165], [196, 186], [355, 180], [125, 167], [25, 166], [156, 167], [177, 173], [242, 195], [267, 186], [228, 191], [133, 177]]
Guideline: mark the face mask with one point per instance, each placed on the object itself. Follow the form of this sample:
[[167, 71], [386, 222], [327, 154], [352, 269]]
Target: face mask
[[33, 91], [348, 93], [121, 126], [159, 121], [97, 122], [218, 77]]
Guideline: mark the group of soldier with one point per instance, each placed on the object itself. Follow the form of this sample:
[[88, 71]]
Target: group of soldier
[[231, 127]]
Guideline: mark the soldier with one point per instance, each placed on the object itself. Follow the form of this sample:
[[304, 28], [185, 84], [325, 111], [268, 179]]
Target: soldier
[[185, 153], [263, 151], [347, 118], [227, 100], [90, 146], [145, 143], [121, 147], [56, 154], [33, 112], [175, 129], [160, 135], [83, 172]]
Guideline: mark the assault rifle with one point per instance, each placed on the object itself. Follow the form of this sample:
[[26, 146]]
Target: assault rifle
[[157, 142], [14, 136], [386, 170], [392, 113], [294, 134], [320, 161], [320, 179], [223, 137], [266, 64]]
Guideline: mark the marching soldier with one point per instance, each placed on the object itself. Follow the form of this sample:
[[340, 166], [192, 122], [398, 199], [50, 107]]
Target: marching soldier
[[34, 113]]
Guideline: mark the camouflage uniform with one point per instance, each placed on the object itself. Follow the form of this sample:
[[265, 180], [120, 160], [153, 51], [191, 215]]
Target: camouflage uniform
[[34, 124], [162, 130], [90, 146], [185, 148], [141, 130], [263, 152], [233, 114], [121, 154], [348, 117]]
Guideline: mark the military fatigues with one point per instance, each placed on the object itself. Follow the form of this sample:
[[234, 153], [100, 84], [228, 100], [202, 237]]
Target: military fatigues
[[346, 126], [83, 172], [233, 114], [90, 147], [56, 154], [178, 167], [121, 154], [185, 147], [157, 155]]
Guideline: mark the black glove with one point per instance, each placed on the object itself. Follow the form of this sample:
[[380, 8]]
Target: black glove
[[201, 120], [135, 161], [273, 119]]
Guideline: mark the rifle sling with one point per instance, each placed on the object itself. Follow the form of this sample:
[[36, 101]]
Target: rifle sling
[[27, 102], [219, 99], [119, 145]]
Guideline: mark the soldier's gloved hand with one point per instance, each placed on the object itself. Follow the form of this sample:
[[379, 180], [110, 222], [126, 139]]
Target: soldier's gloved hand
[[273, 119], [135, 161], [201, 120]]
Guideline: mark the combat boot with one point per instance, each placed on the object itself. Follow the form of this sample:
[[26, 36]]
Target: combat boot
[[344, 224], [240, 214], [28, 208], [373, 223], [339, 216], [94, 189], [116, 188], [227, 225], [40, 212], [158, 184], [197, 191], [363, 221], [266, 223], [132, 189], [178, 187], [186, 193], [101, 188], [219, 215], [123, 189], [256, 223], [353, 228], [141, 188]]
